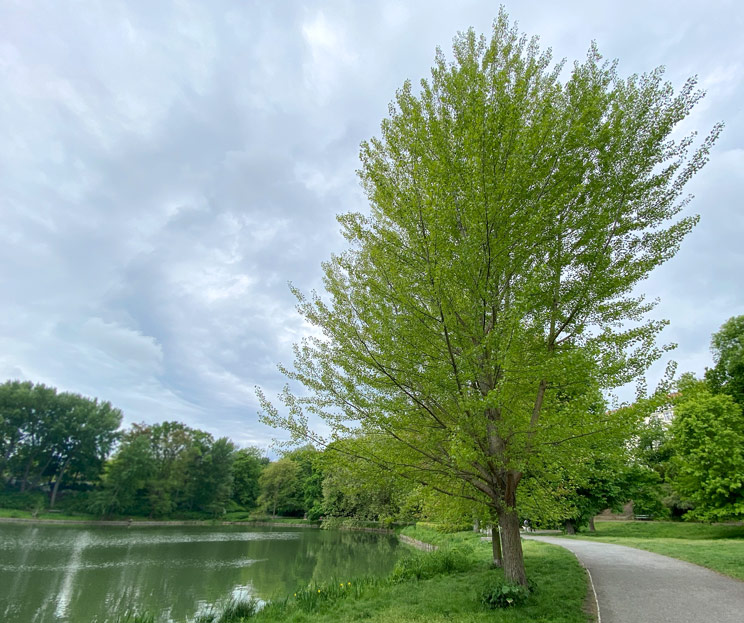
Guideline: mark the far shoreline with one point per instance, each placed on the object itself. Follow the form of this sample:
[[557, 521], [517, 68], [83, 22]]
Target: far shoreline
[[153, 522]]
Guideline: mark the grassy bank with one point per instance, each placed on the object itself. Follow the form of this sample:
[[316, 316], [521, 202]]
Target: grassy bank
[[13, 513], [445, 585], [717, 547]]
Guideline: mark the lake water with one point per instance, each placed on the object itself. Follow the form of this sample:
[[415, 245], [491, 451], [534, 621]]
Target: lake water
[[73, 574]]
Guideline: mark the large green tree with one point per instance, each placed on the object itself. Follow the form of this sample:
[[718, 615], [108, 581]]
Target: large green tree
[[81, 437], [511, 215], [249, 462], [52, 437], [708, 465], [280, 486]]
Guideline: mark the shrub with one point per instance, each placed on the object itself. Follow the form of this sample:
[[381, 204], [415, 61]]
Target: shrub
[[28, 501], [503, 594]]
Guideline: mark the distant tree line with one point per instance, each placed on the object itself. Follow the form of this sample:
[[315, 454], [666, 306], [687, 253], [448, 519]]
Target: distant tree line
[[62, 449], [59, 449]]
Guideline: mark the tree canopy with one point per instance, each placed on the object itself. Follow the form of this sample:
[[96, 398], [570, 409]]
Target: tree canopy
[[51, 437], [708, 441], [511, 215], [161, 468]]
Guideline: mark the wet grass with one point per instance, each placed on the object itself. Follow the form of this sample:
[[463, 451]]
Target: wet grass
[[717, 547]]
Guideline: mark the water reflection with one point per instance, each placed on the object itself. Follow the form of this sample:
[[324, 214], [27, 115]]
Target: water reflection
[[56, 574]]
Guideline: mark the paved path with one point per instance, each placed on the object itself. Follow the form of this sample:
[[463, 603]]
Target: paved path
[[635, 586]]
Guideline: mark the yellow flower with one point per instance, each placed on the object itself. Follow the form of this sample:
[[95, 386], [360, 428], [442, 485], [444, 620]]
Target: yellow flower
[[349, 583], [341, 584], [318, 590]]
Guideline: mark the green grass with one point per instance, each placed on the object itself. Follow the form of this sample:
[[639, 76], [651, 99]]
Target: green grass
[[435, 587], [717, 547], [14, 513]]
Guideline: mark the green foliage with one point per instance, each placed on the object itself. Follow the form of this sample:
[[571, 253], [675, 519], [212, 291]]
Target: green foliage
[[315, 596], [727, 375], [421, 566], [280, 487], [164, 468], [29, 500], [708, 434], [353, 488], [653, 446], [511, 214], [247, 468], [310, 475], [501, 594], [51, 438], [644, 487]]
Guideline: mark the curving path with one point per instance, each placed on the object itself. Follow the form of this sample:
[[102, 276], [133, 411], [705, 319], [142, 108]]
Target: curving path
[[636, 586]]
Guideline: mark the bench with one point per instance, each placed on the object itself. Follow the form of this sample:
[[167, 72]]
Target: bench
[[643, 517]]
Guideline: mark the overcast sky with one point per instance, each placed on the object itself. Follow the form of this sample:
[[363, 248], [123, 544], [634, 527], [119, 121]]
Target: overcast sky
[[167, 167]]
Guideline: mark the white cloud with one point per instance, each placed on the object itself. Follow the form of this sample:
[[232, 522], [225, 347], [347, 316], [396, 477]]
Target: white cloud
[[168, 167], [330, 54]]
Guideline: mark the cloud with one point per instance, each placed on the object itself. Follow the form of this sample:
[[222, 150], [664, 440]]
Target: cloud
[[168, 167]]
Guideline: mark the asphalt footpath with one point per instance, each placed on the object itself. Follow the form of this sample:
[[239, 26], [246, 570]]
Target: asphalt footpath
[[635, 586]]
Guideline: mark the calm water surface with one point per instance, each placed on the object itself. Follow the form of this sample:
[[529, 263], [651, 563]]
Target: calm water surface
[[73, 574]]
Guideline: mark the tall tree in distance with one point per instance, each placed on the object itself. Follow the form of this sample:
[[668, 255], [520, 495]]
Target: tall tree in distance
[[708, 465], [247, 467], [727, 375], [51, 437], [280, 486], [511, 215], [82, 435]]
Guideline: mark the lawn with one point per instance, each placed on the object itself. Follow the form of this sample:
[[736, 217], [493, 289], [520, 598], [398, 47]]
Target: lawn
[[717, 547]]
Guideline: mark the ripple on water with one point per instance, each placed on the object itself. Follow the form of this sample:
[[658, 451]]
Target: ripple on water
[[139, 562], [139, 539]]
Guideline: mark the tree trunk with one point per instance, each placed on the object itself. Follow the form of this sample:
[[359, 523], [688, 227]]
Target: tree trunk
[[591, 525], [569, 526], [26, 472], [511, 543], [498, 560], [61, 473], [476, 525]]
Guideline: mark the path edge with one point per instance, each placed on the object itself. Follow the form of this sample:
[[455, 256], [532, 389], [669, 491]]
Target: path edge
[[598, 616], [595, 612]]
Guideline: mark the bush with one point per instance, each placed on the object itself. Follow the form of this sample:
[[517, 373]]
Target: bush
[[425, 565], [503, 594], [28, 501], [74, 502]]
